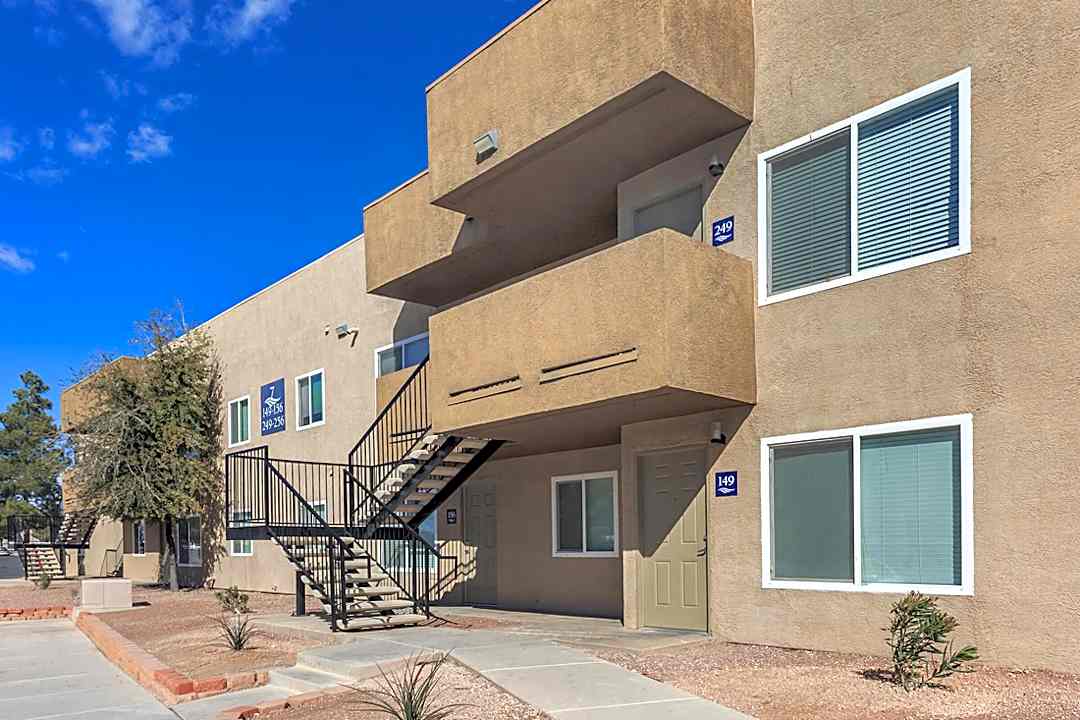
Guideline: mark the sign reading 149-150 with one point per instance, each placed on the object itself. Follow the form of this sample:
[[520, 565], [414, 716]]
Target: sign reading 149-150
[[272, 407]]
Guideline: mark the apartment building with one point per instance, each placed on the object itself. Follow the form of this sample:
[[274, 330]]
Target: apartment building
[[733, 328], [307, 349]]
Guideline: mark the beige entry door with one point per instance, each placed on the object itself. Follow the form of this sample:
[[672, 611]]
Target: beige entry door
[[674, 572], [481, 540]]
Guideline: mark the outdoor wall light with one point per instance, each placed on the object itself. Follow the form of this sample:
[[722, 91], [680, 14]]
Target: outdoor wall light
[[486, 145], [343, 330], [718, 436]]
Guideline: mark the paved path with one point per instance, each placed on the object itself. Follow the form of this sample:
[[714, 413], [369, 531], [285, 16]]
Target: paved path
[[562, 681], [50, 671]]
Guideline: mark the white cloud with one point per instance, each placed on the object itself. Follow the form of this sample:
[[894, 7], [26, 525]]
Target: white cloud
[[64, 255], [147, 27], [176, 102], [47, 138], [117, 87], [235, 23], [11, 259], [147, 144], [9, 144], [46, 175], [94, 139]]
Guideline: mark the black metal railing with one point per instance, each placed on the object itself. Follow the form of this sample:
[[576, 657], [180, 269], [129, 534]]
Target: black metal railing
[[33, 529], [398, 429]]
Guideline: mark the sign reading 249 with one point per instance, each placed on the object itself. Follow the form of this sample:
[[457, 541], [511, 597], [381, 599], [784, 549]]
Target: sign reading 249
[[272, 407]]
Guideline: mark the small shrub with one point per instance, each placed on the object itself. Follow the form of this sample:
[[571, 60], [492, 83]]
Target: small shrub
[[43, 581], [412, 692], [922, 653], [232, 600], [236, 631]]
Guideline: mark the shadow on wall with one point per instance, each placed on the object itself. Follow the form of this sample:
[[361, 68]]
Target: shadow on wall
[[732, 421], [412, 320]]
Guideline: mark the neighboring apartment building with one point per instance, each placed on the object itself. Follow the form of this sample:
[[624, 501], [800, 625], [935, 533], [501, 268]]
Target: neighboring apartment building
[[768, 309], [286, 339]]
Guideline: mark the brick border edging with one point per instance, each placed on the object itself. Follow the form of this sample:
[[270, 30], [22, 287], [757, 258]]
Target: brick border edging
[[168, 685], [50, 612]]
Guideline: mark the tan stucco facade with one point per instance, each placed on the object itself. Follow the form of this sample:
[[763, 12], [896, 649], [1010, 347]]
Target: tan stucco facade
[[988, 333], [669, 331]]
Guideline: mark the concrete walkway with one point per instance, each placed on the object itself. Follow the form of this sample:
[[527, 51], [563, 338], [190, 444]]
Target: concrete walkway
[[562, 681], [50, 671]]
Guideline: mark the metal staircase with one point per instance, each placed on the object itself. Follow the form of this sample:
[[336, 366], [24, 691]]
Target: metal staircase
[[41, 540], [351, 530]]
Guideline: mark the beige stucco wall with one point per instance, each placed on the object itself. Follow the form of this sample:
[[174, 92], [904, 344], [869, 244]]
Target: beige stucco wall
[[989, 333], [530, 81], [529, 577]]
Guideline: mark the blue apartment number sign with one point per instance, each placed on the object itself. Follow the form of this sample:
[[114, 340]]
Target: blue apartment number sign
[[727, 483], [272, 407], [723, 231]]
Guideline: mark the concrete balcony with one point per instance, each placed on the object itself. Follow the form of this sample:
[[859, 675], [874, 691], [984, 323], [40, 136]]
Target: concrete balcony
[[583, 94], [654, 327]]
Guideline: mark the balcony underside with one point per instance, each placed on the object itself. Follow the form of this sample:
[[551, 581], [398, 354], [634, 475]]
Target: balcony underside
[[593, 425]]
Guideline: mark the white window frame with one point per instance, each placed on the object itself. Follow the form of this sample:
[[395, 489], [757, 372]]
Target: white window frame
[[296, 387], [177, 532], [962, 80], [135, 538], [399, 343], [855, 434], [612, 475], [232, 543], [242, 398]]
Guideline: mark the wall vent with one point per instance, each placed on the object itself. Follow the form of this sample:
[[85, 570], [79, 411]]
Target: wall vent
[[596, 362], [486, 390]]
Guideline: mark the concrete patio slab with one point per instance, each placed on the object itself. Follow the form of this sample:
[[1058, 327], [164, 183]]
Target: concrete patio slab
[[50, 670], [675, 709], [209, 708], [516, 654]]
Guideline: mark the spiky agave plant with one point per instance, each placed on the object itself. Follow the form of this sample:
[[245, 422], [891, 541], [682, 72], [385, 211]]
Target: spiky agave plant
[[236, 630], [412, 692]]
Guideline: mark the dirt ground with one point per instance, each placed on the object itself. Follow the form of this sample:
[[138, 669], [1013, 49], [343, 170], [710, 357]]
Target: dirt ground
[[25, 595], [179, 629], [779, 684], [482, 700]]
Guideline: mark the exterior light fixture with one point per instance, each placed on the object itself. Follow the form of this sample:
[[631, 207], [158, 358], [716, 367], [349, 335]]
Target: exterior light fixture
[[343, 330], [486, 145]]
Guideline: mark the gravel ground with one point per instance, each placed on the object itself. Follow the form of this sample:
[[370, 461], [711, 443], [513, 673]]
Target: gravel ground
[[779, 684], [24, 595], [179, 629], [483, 701]]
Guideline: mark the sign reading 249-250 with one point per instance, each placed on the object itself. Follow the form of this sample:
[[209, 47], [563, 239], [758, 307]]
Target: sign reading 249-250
[[272, 407]]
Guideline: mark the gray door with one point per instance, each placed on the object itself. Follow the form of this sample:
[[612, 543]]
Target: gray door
[[481, 543], [674, 574]]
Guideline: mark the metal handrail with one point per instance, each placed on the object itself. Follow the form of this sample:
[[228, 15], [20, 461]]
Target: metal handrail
[[378, 418]]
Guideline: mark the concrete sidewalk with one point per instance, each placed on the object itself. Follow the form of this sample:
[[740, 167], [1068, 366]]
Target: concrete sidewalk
[[49, 670], [564, 682]]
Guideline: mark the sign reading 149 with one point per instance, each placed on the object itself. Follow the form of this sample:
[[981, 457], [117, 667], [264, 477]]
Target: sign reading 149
[[727, 483]]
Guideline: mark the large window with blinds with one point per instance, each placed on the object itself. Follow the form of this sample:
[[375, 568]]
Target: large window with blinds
[[885, 190], [882, 508]]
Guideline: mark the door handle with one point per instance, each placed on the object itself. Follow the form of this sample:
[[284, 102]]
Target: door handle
[[704, 548]]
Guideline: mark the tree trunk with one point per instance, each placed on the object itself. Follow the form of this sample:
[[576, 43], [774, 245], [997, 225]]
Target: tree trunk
[[170, 555]]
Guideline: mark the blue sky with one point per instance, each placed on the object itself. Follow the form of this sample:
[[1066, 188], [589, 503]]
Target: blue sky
[[155, 150]]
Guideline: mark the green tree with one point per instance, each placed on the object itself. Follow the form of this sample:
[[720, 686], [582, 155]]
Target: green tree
[[152, 449], [31, 454]]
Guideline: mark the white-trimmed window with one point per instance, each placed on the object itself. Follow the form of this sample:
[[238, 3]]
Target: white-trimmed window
[[880, 508], [401, 354], [319, 506], [241, 548], [584, 515], [885, 190], [239, 421], [310, 400], [189, 541], [138, 537]]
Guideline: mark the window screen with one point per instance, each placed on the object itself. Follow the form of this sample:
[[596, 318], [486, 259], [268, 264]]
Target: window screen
[[568, 501], [812, 504], [809, 214]]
